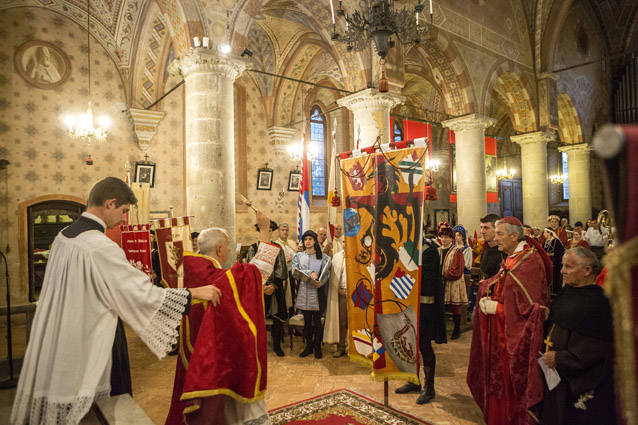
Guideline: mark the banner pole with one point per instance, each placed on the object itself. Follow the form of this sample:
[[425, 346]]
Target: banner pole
[[385, 392]]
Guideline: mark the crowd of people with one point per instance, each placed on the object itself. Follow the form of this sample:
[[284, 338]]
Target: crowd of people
[[542, 338]]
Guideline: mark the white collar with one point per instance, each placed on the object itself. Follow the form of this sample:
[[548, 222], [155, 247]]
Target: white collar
[[94, 218], [519, 248]]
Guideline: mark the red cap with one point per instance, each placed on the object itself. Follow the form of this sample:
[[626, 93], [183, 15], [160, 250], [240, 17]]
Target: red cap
[[511, 220]]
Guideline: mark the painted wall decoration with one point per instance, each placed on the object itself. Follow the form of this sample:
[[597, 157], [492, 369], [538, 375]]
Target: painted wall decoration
[[42, 64], [382, 221]]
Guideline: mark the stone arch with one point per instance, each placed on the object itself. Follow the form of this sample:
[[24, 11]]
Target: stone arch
[[558, 12], [569, 128], [318, 14], [507, 85], [154, 40], [450, 74], [185, 19], [294, 66]]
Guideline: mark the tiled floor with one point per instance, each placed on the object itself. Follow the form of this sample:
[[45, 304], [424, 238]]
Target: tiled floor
[[292, 379]]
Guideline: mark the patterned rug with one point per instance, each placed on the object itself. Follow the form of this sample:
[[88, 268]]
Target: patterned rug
[[341, 407]]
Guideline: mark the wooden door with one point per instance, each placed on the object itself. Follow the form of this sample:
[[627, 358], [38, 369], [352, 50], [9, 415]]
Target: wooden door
[[511, 198]]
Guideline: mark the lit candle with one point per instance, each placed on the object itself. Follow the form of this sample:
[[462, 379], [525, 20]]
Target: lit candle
[[332, 10]]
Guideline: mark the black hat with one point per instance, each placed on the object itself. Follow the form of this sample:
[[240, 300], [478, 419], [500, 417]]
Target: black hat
[[273, 226], [317, 245]]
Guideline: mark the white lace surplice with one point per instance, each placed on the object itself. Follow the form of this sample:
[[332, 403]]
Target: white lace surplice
[[87, 285]]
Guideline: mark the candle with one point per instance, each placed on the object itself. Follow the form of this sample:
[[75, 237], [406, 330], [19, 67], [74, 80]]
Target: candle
[[430, 7], [332, 11]]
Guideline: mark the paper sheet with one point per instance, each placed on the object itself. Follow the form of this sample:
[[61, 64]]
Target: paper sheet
[[551, 375]]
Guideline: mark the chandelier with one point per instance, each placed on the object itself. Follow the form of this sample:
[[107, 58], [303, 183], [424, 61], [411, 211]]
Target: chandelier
[[557, 178], [505, 174], [379, 21], [83, 125]]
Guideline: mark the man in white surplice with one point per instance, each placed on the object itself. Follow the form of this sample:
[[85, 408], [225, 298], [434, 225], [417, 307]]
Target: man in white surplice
[[89, 283]]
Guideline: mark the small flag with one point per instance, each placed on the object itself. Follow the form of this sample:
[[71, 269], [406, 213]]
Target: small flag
[[401, 285], [303, 202]]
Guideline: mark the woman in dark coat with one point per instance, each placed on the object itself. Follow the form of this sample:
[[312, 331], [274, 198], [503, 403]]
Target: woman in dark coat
[[431, 318]]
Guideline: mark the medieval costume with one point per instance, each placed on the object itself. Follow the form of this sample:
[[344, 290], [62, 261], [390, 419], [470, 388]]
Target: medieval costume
[[555, 250], [275, 304], [291, 290], [88, 284], [503, 373], [431, 319], [310, 299], [580, 331], [336, 324], [220, 376], [452, 264], [468, 258]]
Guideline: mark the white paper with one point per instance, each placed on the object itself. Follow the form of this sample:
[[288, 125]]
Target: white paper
[[551, 375]]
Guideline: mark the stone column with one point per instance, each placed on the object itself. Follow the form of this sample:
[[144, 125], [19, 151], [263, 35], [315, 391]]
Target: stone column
[[579, 182], [534, 174], [210, 146], [371, 111], [469, 131]]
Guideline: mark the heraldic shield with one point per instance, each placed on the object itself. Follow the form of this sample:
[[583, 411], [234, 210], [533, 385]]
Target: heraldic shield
[[398, 333]]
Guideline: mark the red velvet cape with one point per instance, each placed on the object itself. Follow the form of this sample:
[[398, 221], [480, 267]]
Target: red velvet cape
[[223, 348], [523, 328]]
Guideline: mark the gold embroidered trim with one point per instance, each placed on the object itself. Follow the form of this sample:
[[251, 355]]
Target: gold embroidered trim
[[618, 287]]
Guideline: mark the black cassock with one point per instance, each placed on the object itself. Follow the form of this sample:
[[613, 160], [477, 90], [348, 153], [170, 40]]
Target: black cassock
[[581, 334]]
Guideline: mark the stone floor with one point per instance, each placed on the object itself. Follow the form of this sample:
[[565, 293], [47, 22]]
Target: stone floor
[[292, 379]]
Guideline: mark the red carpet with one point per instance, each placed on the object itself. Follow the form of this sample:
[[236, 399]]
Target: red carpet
[[341, 407]]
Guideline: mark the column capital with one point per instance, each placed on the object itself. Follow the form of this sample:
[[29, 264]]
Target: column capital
[[370, 97], [280, 137], [583, 147], [145, 124], [201, 60], [534, 137], [468, 122]]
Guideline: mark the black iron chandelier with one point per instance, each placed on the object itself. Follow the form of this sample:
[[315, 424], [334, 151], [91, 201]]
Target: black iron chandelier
[[380, 20]]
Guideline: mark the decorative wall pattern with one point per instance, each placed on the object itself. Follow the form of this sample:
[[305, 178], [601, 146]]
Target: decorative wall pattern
[[44, 159]]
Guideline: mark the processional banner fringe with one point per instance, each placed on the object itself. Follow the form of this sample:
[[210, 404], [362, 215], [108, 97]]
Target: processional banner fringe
[[382, 221], [136, 243], [173, 237]]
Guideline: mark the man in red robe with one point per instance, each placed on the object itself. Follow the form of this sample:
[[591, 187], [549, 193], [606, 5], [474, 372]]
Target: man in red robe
[[503, 374], [220, 377]]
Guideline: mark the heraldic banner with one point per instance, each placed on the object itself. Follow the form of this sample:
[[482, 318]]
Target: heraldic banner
[[382, 221], [136, 243], [173, 237]]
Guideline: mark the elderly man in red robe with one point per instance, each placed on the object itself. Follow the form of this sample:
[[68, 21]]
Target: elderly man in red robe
[[503, 374], [220, 376]]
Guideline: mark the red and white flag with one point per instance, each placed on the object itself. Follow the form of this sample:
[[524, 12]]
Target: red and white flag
[[303, 202]]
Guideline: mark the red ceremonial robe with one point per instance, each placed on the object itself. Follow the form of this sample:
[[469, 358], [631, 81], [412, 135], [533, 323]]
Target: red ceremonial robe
[[222, 349], [503, 374]]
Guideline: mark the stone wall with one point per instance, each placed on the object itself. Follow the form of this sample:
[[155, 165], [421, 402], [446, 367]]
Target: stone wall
[[45, 160]]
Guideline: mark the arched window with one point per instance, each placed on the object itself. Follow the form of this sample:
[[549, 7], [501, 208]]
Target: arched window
[[397, 131], [318, 139]]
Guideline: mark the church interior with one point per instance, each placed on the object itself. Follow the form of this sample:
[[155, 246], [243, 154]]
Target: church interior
[[204, 105]]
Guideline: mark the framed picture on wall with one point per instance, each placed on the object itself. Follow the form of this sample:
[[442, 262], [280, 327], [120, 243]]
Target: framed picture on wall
[[264, 179], [294, 180], [441, 215], [490, 174], [145, 173]]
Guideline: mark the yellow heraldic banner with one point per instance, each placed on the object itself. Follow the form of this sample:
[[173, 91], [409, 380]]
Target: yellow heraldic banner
[[382, 221]]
